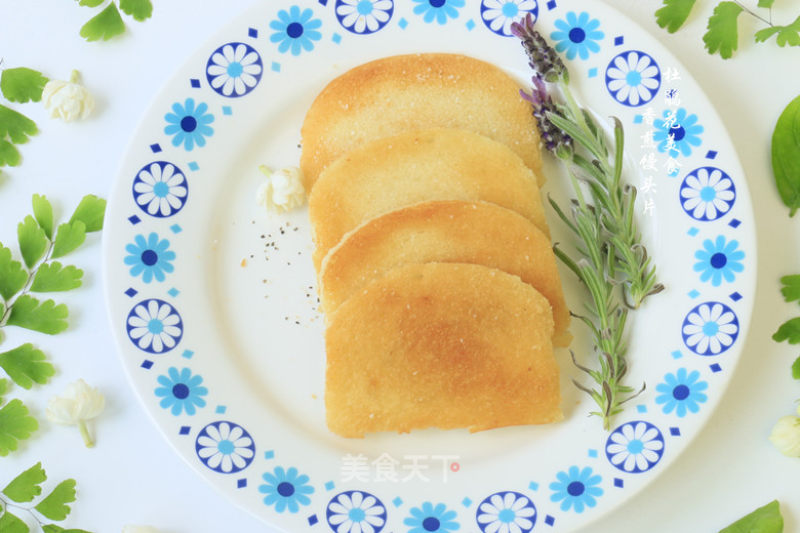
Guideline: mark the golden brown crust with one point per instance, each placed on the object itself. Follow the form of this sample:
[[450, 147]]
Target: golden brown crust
[[441, 345], [413, 167], [446, 232], [410, 92]]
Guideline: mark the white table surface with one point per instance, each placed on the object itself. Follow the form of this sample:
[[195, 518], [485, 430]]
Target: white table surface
[[134, 477]]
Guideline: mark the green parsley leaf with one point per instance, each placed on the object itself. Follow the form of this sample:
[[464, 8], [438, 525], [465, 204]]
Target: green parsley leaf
[[52, 528], [90, 211], [789, 330], [16, 424], [54, 506], [674, 13], [26, 486], [69, 236], [796, 368], [786, 155], [791, 288], [11, 524], [26, 365], [138, 9], [12, 275], [18, 128], [786, 34], [54, 277], [22, 84], [723, 34], [44, 317], [105, 25], [32, 241], [9, 155], [43, 212], [766, 519], [90, 3], [765, 3]]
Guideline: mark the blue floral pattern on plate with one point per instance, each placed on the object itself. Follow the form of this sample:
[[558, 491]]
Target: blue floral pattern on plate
[[506, 511], [189, 124], [150, 257], [286, 489], [225, 447], [681, 392], [635, 447], [295, 30], [677, 132], [431, 519], [438, 10], [181, 391], [356, 511], [234, 69], [364, 16], [710, 328], [576, 489], [577, 35], [719, 259], [154, 326], [633, 78], [707, 193], [160, 189], [498, 15]]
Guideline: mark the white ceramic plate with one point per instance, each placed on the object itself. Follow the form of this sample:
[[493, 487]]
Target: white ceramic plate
[[213, 302]]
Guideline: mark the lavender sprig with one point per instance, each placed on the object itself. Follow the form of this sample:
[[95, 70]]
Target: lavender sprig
[[612, 254]]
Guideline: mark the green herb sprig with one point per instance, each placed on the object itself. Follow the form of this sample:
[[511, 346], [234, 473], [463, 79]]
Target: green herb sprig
[[108, 22], [40, 243], [766, 519], [18, 85], [17, 497], [722, 32], [613, 263], [786, 155], [790, 330]]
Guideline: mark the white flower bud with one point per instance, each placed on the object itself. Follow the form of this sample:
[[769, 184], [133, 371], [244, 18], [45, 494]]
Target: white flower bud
[[67, 100], [786, 436], [79, 403], [283, 189]]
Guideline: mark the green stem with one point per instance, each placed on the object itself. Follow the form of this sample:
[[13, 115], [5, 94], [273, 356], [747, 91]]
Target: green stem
[[87, 439], [756, 15], [27, 287]]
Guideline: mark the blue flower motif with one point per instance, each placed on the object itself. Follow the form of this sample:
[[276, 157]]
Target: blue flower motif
[[578, 35], [677, 132], [681, 392], [295, 30], [355, 511], [160, 189], [286, 489], [181, 391], [710, 328], [506, 512], [438, 10], [707, 193], [150, 258], [633, 78], [154, 326], [189, 125], [498, 15], [635, 447], [364, 16], [225, 447], [234, 69], [719, 259], [429, 519], [576, 488]]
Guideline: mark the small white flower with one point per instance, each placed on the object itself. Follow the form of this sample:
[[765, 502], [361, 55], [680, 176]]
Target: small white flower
[[786, 435], [364, 17], [139, 529], [707, 194], [283, 190], [234, 69], [506, 513], [224, 447], [635, 447], [79, 403], [67, 100], [710, 329], [634, 78], [358, 513]]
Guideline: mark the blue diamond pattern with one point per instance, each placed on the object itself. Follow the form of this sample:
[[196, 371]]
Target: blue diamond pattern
[[675, 432], [693, 294], [131, 292], [641, 408], [252, 32], [221, 409], [193, 166], [693, 231], [549, 520], [551, 5], [618, 41], [276, 67], [397, 501], [134, 219], [533, 486], [470, 24], [173, 292], [735, 296], [711, 154], [735, 223], [466, 502], [715, 367], [269, 454], [329, 485], [677, 354], [402, 23], [184, 430], [147, 364], [312, 520], [195, 83], [618, 482], [155, 148], [241, 483], [187, 354]]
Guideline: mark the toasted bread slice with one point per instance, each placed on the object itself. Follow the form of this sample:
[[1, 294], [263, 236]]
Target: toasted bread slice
[[411, 92], [443, 345]]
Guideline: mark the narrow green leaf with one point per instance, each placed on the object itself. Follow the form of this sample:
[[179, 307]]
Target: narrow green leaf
[[789, 330], [138, 9], [16, 424], [54, 506], [673, 14], [786, 155], [26, 486], [43, 212], [54, 277], [12, 275], [11, 524], [69, 236], [105, 25], [796, 368], [22, 84], [722, 34], [765, 3], [26, 365], [90, 211], [766, 519], [90, 3], [44, 317], [32, 241]]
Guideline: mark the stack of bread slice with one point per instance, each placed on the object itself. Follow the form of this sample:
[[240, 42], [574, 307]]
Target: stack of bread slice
[[435, 267]]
